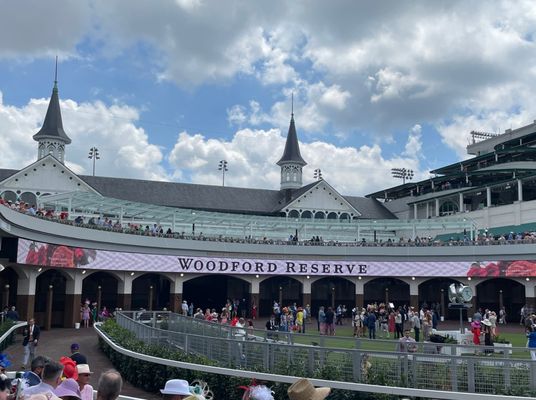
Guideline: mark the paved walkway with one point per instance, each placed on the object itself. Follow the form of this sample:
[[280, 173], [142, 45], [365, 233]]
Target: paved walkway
[[57, 342]]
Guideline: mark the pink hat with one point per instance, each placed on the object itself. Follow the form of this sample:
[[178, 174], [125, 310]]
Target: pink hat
[[69, 387]]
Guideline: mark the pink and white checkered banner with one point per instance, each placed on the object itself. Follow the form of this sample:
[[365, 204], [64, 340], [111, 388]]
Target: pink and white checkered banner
[[51, 255]]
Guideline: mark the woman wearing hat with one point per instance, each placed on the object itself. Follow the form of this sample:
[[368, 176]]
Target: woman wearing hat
[[476, 330], [84, 373], [488, 336], [302, 389]]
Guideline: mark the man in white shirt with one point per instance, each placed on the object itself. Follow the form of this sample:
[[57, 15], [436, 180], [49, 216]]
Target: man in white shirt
[[51, 378], [184, 308], [84, 373]]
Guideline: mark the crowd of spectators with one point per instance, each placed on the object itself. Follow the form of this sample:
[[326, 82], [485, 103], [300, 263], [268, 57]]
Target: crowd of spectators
[[66, 379], [484, 238]]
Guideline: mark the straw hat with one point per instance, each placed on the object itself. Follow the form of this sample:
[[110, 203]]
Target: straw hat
[[304, 390]]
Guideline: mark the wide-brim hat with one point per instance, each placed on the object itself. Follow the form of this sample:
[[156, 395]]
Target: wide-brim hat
[[83, 369], [302, 389], [486, 322], [69, 387], [176, 387]]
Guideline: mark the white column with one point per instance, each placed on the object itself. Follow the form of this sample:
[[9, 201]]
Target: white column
[[488, 196], [519, 190], [427, 209], [437, 207], [415, 211], [460, 197]]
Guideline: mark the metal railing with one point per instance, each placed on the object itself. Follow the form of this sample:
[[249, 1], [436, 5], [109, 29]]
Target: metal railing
[[432, 366]]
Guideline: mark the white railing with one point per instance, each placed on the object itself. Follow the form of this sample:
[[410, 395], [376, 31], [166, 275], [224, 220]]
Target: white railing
[[153, 335]]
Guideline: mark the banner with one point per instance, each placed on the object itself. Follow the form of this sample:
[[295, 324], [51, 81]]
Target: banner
[[36, 253]]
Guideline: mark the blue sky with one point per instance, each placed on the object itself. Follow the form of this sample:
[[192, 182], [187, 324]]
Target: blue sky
[[167, 91]]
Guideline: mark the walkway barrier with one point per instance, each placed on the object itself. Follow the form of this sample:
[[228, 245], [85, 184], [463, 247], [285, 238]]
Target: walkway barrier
[[188, 325], [420, 373]]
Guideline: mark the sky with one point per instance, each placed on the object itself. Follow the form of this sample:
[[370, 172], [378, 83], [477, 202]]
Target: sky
[[166, 89]]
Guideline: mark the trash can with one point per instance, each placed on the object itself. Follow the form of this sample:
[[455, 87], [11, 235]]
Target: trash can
[[77, 325]]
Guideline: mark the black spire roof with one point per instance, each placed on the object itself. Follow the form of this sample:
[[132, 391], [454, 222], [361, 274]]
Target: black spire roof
[[292, 147], [53, 126]]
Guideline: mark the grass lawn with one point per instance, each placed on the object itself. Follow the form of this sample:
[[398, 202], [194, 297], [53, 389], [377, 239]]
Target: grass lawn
[[344, 339]]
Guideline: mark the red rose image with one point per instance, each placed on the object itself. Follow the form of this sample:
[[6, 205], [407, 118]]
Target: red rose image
[[521, 268], [493, 270], [42, 255], [477, 270], [32, 257], [62, 257]]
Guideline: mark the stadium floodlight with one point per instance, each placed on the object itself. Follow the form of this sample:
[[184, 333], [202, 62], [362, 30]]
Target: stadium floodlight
[[318, 174], [94, 155], [402, 173], [223, 168]]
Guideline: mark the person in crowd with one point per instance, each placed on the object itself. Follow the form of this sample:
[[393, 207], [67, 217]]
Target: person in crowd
[[69, 368], [68, 390], [398, 323], [176, 389], [406, 344], [416, 323], [184, 308], [86, 315], [76, 356], [31, 338], [199, 314], [33, 376], [51, 379], [488, 336], [476, 330], [427, 325], [330, 322], [300, 320], [477, 316], [84, 373], [12, 314], [371, 324], [271, 326], [493, 322], [321, 321], [109, 386], [302, 389], [531, 343], [5, 387], [502, 316]]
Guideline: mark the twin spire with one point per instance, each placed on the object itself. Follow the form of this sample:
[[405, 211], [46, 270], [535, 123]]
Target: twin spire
[[291, 162], [51, 137]]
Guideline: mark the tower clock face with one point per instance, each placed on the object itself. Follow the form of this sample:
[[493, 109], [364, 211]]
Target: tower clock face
[[467, 294]]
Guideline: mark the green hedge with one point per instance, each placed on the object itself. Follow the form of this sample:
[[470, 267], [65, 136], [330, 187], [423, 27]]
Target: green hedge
[[152, 377], [4, 327]]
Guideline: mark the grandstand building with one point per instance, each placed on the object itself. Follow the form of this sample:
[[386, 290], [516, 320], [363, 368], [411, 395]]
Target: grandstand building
[[219, 243]]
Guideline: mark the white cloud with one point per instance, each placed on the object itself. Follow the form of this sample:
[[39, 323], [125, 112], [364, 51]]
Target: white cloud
[[124, 148], [356, 171], [414, 142]]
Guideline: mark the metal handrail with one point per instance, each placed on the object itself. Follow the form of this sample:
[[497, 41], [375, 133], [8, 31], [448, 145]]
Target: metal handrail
[[460, 373], [351, 386]]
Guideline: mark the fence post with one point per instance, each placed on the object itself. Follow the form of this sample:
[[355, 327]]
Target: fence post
[[470, 375], [453, 374], [508, 366], [532, 379], [186, 337], [357, 359]]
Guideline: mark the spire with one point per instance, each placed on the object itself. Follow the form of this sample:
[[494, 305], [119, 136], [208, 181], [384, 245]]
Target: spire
[[53, 126], [292, 147]]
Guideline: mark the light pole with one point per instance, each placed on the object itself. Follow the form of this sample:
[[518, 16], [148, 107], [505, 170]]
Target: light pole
[[318, 174], [402, 173], [223, 168], [94, 155]]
